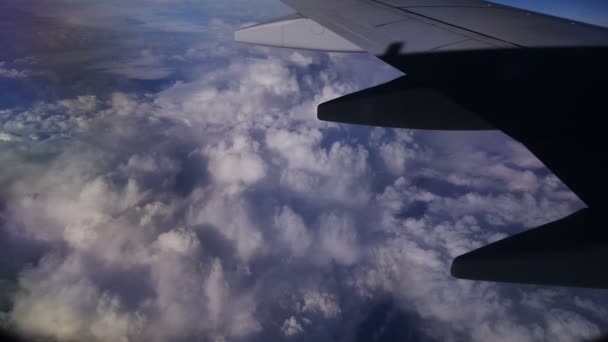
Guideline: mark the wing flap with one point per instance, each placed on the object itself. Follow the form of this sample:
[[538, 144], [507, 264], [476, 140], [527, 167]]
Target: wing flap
[[295, 31]]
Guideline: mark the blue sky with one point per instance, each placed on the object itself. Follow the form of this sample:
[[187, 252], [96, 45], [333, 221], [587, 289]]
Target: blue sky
[[590, 11], [164, 183]]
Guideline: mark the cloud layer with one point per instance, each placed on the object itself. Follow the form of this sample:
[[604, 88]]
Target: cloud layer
[[214, 206]]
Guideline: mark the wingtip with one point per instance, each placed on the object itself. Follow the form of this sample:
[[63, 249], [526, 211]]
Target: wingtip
[[456, 267]]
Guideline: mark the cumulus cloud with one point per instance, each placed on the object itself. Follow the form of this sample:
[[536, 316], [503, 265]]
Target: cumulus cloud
[[6, 72], [292, 231], [215, 207], [178, 241], [324, 303], [145, 66], [238, 163], [291, 327]]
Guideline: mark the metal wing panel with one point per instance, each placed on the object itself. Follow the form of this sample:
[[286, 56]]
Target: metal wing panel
[[423, 26], [371, 16], [465, 45], [426, 3], [409, 32], [376, 27], [519, 27], [355, 20]]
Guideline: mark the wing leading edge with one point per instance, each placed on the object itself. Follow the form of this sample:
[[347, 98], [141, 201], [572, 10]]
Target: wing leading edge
[[474, 65]]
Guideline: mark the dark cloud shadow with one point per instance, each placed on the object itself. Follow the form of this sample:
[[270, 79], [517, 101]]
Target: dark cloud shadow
[[440, 187], [193, 173], [216, 245], [17, 253], [415, 210], [386, 322], [133, 285]]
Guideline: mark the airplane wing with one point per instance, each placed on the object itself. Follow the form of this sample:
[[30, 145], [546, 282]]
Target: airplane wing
[[476, 65]]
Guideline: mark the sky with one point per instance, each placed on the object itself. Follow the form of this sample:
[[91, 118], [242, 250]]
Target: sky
[[589, 11], [161, 182]]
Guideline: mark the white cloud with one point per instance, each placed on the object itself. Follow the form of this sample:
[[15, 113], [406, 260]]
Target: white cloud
[[394, 155], [7, 137], [11, 73], [179, 241], [325, 303], [569, 326], [58, 301], [591, 307], [301, 59], [237, 162], [145, 66], [219, 208], [293, 231], [231, 217], [338, 238], [123, 104], [291, 327], [310, 168]]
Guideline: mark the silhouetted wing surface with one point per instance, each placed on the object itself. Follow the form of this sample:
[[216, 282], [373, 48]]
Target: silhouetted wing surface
[[475, 65]]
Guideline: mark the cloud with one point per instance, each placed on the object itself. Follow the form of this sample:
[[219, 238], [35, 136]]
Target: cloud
[[11, 73], [339, 238], [145, 66], [325, 303], [179, 241], [216, 207], [291, 327], [292, 231], [7, 137], [238, 163]]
